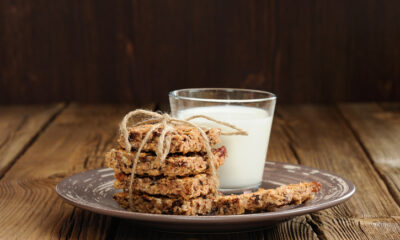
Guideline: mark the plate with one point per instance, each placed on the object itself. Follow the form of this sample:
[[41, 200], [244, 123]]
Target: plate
[[93, 190]]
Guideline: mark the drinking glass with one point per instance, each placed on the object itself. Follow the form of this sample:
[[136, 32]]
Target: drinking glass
[[249, 110]]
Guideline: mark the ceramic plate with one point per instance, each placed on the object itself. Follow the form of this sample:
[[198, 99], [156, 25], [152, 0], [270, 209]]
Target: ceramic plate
[[93, 190]]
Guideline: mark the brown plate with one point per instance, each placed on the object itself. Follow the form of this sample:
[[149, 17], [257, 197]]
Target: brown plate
[[93, 190]]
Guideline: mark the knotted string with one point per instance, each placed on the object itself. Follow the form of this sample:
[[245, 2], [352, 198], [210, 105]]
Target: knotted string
[[167, 123]]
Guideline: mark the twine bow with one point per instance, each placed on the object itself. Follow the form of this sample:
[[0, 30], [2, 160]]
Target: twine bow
[[167, 123]]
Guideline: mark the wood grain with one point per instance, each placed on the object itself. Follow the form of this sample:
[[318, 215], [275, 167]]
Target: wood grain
[[280, 148], [136, 51], [321, 138], [19, 125], [76, 140], [333, 227], [378, 130]]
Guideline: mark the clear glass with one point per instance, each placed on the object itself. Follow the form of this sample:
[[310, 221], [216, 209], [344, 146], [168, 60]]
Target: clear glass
[[250, 110]]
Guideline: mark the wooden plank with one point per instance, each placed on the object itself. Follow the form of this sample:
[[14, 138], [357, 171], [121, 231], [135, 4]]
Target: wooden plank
[[378, 129], [321, 138], [333, 227], [280, 147], [19, 125], [78, 138], [74, 142]]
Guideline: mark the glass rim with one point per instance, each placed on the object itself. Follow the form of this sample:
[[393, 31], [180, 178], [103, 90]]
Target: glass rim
[[270, 97]]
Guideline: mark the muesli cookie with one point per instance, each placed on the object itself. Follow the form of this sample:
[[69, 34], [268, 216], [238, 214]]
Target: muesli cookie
[[144, 203], [174, 165], [184, 138], [266, 199], [186, 187]]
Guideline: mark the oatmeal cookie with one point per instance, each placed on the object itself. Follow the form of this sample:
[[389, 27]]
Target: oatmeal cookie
[[184, 138], [186, 187], [266, 200], [174, 165], [154, 204]]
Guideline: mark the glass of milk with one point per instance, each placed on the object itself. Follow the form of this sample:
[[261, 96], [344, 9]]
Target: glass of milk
[[250, 110]]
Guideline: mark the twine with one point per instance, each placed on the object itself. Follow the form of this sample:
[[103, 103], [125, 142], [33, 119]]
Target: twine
[[167, 123]]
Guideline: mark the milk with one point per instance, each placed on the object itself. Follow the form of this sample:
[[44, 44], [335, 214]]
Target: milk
[[244, 165]]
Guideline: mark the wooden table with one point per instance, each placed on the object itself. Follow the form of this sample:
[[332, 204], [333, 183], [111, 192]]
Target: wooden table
[[40, 145]]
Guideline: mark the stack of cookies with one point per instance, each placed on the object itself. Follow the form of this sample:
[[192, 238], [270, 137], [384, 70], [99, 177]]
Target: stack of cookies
[[181, 184]]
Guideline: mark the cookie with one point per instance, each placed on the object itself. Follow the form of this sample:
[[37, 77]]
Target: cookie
[[144, 203], [174, 165], [185, 187], [184, 138], [266, 199]]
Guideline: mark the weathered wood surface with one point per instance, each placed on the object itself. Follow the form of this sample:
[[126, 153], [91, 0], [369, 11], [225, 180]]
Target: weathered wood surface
[[318, 136], [74, 142], [19, 126], [321, 138], [378, 128]]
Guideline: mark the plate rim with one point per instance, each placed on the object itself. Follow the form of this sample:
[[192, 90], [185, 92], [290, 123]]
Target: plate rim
[[214, 219]]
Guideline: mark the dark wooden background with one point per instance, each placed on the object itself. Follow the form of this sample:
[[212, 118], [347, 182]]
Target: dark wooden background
[[136, 51]]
